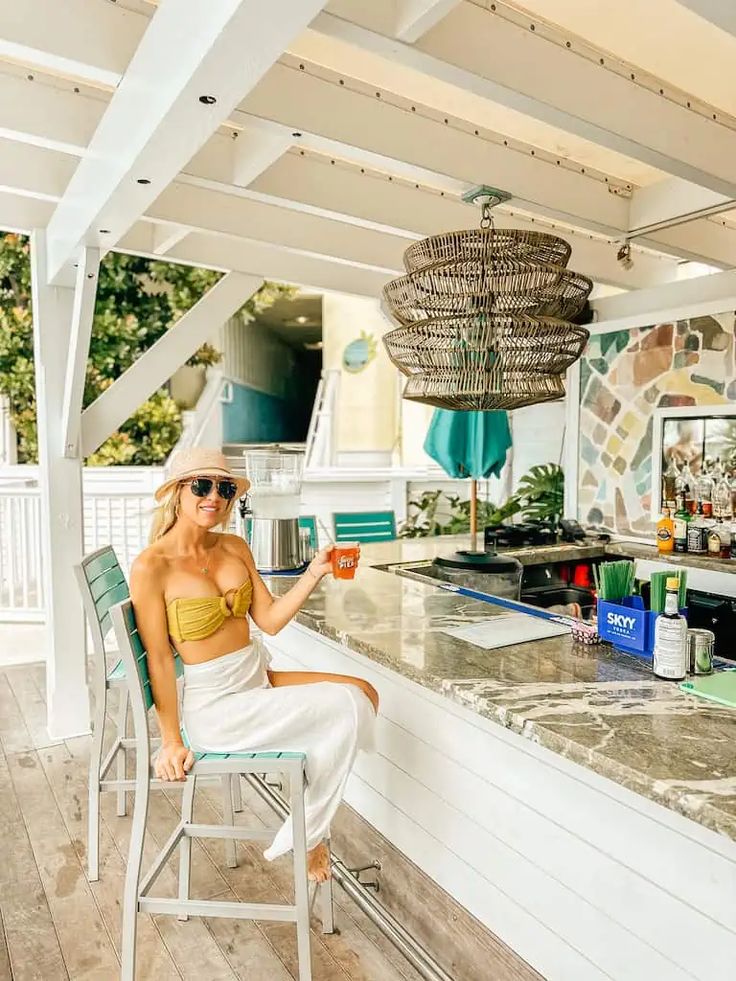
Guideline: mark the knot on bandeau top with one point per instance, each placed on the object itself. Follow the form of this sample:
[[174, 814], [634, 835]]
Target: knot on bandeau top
[[195, 618]]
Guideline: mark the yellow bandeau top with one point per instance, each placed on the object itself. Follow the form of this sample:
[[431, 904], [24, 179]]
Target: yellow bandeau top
[[195, 619]]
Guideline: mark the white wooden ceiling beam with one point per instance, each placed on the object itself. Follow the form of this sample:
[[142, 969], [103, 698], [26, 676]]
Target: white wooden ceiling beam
[[81, 39], [215, 210], [48, 113], [674, 301], [22, 214], [317, 272], [673, 201], [722, 13], [161, 113], [166, 235], [416, 17], [83, 311], [481, 52], [155, 366]]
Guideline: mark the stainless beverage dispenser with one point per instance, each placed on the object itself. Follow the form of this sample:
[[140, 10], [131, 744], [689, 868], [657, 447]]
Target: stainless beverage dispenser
[[275, 491]]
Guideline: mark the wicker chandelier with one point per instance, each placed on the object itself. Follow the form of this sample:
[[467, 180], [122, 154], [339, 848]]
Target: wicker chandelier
[[485, 316]]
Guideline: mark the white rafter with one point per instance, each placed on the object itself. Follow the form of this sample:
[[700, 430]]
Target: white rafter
[[484, 53], [156, 120], [416, 17]]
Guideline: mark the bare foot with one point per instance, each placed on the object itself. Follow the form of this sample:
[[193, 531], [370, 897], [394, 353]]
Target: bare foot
[[318, 863]]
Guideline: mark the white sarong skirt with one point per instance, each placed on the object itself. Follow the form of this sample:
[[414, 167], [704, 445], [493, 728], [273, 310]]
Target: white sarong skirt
[[229, 706]]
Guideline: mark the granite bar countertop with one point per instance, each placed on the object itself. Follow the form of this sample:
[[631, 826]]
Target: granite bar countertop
[[592, 705]]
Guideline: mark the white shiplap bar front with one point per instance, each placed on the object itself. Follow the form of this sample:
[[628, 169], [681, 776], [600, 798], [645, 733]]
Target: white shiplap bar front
[[583, 878]]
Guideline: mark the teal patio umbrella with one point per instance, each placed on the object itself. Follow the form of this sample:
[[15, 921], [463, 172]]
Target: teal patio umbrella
[[469, 444]]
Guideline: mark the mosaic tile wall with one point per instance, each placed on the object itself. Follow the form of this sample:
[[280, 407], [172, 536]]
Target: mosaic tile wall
[[625, 375]]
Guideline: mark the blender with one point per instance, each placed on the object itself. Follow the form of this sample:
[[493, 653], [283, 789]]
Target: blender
[[276, 481]]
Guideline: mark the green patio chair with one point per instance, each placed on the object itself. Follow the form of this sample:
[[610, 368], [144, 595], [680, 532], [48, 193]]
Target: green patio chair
[[102, 583], [365, 526], [136, 892]]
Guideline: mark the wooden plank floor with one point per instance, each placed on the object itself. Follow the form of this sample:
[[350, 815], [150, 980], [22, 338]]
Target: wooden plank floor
[[54, 924]]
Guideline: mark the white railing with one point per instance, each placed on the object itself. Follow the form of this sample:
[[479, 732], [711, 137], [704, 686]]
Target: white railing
[[121, 520]]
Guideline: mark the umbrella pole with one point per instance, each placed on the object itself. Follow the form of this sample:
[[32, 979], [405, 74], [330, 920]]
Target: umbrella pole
[[473, 514]]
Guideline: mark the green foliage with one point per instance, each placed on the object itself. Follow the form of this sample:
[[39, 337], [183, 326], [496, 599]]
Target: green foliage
[[138, 300], [539, 498], [437, 513], [542, 493]]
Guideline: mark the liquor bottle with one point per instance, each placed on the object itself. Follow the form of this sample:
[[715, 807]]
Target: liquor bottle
[[722, 499], [724, 531], [714, 539], [669, 484], [704, 492], [696, 540], [679, 524], [688, 481], [665, 532], [669, 659]]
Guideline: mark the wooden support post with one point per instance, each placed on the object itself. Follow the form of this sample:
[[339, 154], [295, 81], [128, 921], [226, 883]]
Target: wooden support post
[[61, 505]]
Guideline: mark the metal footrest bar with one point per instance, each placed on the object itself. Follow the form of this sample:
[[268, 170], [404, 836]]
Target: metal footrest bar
[[210, 907], [417, 955]]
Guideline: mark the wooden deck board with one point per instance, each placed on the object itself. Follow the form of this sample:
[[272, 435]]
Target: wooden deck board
[[55, 924]]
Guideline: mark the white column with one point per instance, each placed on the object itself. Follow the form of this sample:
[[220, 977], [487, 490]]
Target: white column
[[61, 505]]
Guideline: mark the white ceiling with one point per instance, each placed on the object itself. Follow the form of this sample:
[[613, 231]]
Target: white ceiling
[[342, 132]]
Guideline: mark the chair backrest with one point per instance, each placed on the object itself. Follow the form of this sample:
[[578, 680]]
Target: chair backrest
[[310, 521], [135, 663], [102, 583], [133, 653], [365, 526]]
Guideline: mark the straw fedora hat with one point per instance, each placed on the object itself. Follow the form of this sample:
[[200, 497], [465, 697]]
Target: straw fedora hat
[[198, 462]]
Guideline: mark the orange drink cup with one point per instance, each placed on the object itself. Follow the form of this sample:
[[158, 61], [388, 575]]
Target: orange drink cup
[[345, 560]]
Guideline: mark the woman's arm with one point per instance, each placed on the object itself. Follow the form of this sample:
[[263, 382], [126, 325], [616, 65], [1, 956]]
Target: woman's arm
[[269, 613], [146, 592]]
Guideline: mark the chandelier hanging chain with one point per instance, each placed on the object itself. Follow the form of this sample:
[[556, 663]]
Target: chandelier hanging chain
[[486, 220]]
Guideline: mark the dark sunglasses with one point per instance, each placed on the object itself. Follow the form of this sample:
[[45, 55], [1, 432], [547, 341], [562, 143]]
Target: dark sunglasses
[[201, 486]]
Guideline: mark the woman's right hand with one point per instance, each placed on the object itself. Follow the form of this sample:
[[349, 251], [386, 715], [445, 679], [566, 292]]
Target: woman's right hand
[[173, 761]]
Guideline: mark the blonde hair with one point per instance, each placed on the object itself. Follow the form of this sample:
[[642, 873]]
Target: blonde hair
[[166, 515]]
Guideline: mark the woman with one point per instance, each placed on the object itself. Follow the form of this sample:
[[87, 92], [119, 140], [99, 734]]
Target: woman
[[194, 588]]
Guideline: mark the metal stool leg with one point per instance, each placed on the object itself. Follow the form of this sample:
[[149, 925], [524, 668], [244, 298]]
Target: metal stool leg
[[237, 797], [185, 846], [301, 885], [122, 754], [326, 908], [231, 854], [133, 872], [93, 788]]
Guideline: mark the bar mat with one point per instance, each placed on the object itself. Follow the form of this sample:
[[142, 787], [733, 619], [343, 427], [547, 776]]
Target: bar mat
[[719, 687]]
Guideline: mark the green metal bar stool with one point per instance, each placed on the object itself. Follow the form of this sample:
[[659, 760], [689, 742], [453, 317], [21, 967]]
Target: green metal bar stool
[[102, 583], [136, 896]]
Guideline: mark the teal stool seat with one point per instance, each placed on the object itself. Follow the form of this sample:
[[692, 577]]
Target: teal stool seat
[[365, 526]]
